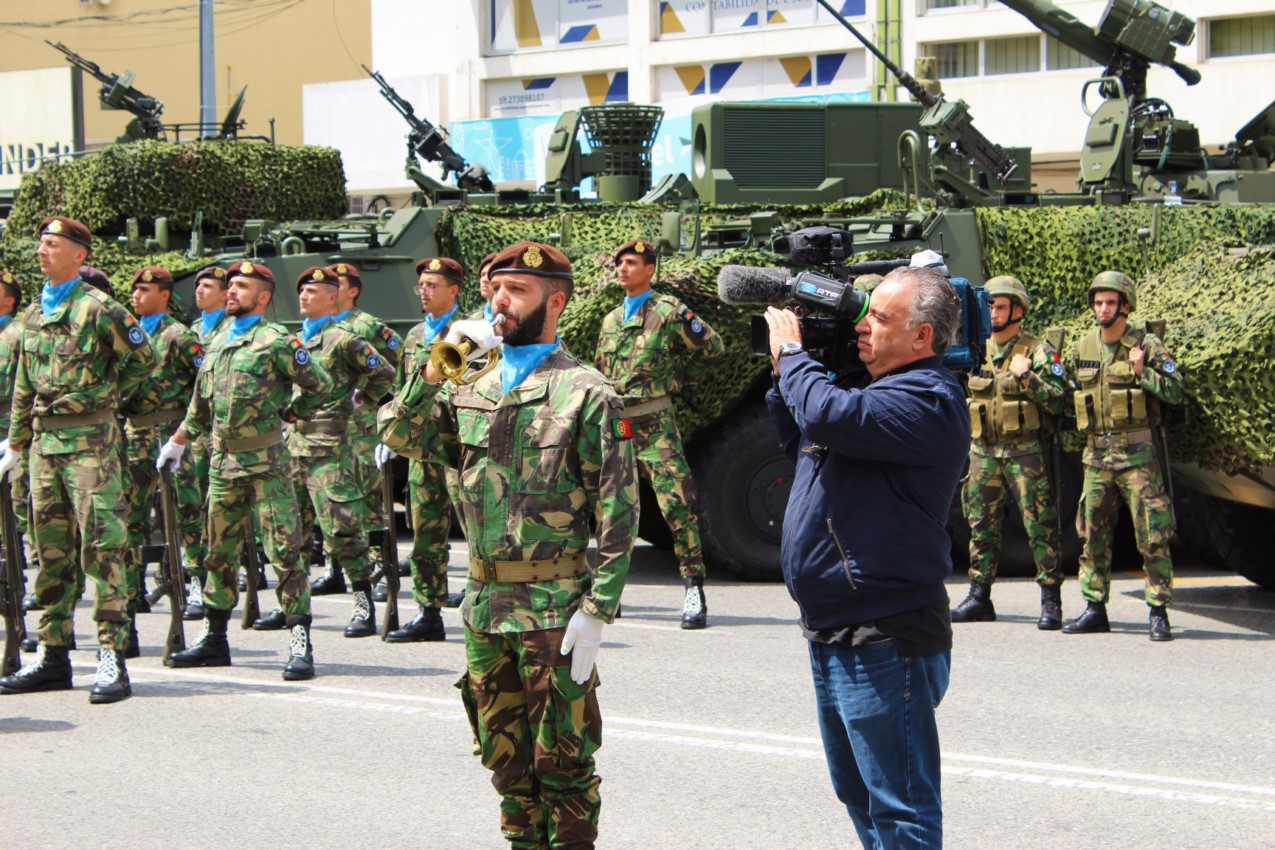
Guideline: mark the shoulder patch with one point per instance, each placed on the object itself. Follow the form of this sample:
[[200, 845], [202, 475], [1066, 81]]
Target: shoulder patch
[[299, 353], [1169, 366], [136, 336], [622, 429], [1056, 367]]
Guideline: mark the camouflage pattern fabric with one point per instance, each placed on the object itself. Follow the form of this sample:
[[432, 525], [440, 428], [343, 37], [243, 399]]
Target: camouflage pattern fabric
[[389, 346], [80, 360], [327, 485], [10, 349], [199, 452], [990, 480], [537, 732], [243, 390], [647, 358]]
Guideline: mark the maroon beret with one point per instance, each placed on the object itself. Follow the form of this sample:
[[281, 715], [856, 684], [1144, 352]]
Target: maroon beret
[[317, 274], [152, 274], [445, 266], [347, 270], [486, 261], [215, 272], [68, 228], [10, 280], [533, 258], [253, 269], [97, 279], [642, 247]]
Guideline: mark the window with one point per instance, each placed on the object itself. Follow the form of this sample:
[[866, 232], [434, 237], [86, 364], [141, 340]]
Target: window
[[955, 58], [1062, 57], [1012, 55], [1242, 36]]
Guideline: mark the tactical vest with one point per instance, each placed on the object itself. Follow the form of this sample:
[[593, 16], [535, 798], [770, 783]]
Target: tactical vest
[[1000, 408], [1109, 400]]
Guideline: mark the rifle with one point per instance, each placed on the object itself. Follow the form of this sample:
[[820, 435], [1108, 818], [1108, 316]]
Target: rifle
[[251, 607], [11, 600], [1160, 432], [389, 552], [176, 641], [117, 92], [1053, 457], [427, 141], [948, 122]]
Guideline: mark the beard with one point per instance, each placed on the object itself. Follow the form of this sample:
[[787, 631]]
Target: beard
[[528, 328]]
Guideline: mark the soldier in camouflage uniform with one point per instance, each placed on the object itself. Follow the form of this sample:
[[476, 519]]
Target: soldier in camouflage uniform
[[429, 491], [82, 354], [388, 346], [1013, 401], [484, 288], [1122, 376], [322, 455], [642, 349], [210, 298], [542, 448], [255, 374], [10, 349]]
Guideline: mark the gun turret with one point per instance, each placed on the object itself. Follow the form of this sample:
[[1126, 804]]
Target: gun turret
[[117, 92], [429, 143]]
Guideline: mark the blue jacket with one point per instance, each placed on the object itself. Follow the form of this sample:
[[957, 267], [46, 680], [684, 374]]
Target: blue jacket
[[865, 532]]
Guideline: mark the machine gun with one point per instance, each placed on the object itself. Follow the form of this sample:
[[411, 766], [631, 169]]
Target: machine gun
[[11, 596], [176, 641], [428, 142], [117, 92], [950, 123]]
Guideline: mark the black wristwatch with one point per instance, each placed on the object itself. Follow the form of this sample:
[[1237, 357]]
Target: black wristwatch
[[789, 347]]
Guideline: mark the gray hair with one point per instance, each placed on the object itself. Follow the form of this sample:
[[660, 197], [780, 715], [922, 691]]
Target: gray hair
[[934, 302]]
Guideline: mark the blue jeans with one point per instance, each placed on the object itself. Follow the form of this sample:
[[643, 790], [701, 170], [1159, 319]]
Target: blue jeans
[[876, 714]]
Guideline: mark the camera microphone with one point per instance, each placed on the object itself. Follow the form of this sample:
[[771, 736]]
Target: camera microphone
[[754, 285]]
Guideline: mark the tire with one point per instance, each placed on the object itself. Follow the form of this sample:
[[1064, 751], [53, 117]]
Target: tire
[[651, 525], [1240, 535], [744, 479]]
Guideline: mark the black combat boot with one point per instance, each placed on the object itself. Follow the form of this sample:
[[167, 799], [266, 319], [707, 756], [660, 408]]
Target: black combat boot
[[143, 603], [194, 600], [31, 602], [300, 651], [405, 569], [50, 670], [977, 606], [134, 647], [381, 593], [363, 620], [111, 684], [1094, 620], [212, 649], [694, 605], [273, 622], [1050, 608], [427, 625], [1160, 623], [453, 600], [332, 581]]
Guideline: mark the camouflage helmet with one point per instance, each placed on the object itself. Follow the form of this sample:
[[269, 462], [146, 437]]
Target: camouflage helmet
[[1115, 282], [1011, 287]]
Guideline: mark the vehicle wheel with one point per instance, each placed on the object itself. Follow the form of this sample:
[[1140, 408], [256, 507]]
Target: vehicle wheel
[[1240, 534], [743, 479]]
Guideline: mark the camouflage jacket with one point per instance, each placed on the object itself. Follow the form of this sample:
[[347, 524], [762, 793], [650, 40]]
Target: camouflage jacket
[[387, 344], [10, 347], [245, 387], [206, 338], [1007, 416], [535, 467], [644, 357], [1112, 403], [349, 362], [83, 359], [416, 350], [180, 355]]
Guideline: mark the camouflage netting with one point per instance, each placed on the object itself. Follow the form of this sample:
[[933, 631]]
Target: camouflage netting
[[230, 182]]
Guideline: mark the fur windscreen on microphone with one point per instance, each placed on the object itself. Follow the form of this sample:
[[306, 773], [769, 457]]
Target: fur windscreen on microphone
[[754, 285]]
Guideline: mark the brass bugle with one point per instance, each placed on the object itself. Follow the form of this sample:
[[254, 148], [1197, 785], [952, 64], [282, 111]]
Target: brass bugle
[[452, 361]]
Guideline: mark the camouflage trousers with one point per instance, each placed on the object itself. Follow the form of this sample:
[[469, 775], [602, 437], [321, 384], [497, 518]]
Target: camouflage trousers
[[142, 482], [430, 508], [536, 731], [327, 491], [363, 442], [193, 555], [79, 496], [990, 481], [232, 504], [657, 445], [1142, 489]]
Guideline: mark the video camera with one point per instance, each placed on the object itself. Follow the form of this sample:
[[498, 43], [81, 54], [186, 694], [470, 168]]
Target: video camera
[[830, 304]]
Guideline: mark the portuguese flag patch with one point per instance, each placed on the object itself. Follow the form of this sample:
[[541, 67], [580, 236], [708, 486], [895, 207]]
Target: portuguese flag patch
[[621, 429]]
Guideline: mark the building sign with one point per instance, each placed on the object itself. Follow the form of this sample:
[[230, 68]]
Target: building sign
[[538, 95], [41, 121], [762, 79], [528, 24], [680, 18]]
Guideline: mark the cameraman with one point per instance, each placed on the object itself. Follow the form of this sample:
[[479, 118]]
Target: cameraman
[[865, 550]]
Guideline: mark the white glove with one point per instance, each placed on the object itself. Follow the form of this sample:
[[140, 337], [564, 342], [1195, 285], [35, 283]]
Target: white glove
[[356, 400], [383, 454], [170, 454], [283, 429], [483, 335], [8, 461], [4, 445], [581, 642]]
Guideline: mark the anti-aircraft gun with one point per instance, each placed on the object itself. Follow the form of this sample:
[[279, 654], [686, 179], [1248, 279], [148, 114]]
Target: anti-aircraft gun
[[430, 144], [117, 92]]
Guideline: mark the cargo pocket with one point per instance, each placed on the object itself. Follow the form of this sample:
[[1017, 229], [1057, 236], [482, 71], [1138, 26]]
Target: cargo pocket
[[471, 708]]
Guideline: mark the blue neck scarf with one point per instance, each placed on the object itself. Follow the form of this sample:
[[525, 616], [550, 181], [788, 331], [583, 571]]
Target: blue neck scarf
[[240, 325], [210, 319], [519, 361], [5, 319], [433, 326], [633, 303], [340, 317], [311, 327], [151, 322], [51, 297], [487, 312]]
